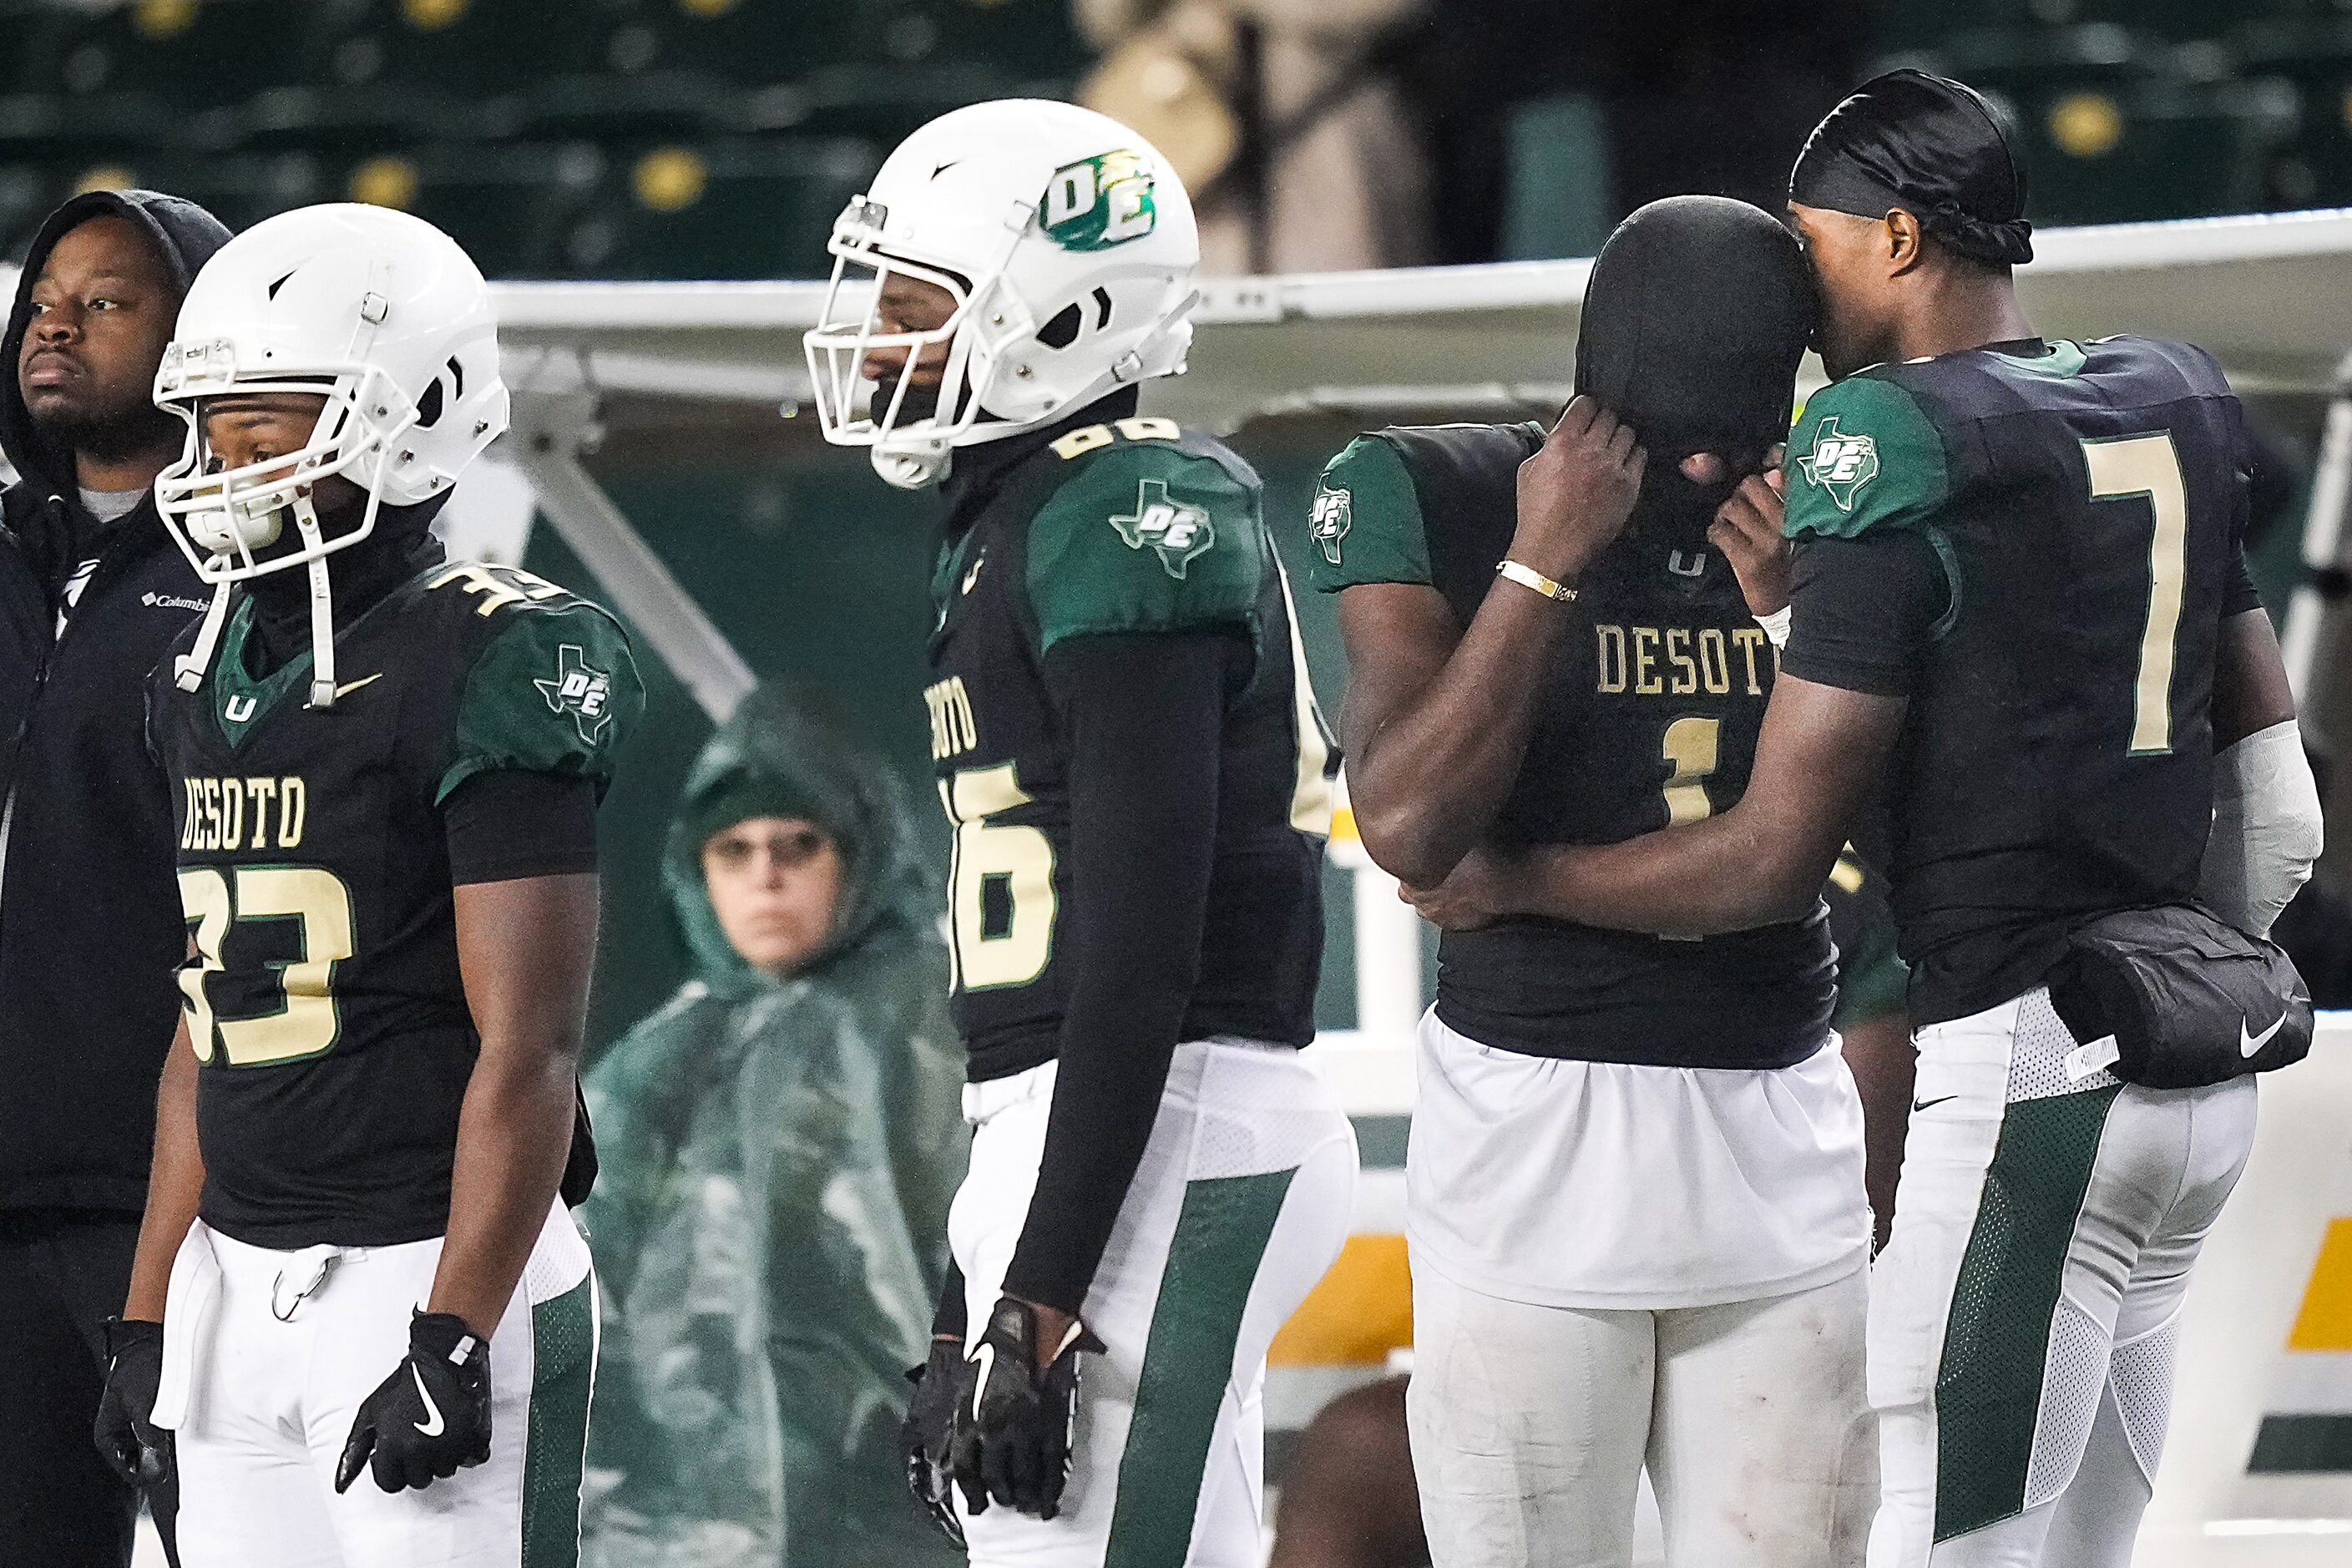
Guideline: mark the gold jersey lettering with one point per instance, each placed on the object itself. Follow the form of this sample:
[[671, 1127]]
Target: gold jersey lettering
[[1645, 663], [1678, 642], [1749, 640], [515, 587], [1715, 661], [1610, 672], [954, 729], [293, 807], [264, 792]]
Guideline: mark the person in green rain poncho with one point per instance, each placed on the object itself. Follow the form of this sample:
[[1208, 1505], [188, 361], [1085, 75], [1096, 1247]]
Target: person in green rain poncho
[[780, 1143]]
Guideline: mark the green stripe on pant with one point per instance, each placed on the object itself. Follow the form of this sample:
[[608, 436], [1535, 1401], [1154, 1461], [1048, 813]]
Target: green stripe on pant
[[564, 1368], [1997, 1339], [1213, 1261]]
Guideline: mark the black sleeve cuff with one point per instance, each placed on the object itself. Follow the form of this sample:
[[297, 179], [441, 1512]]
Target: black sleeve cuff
[[2237, 592], [510, 823], [1865, 610]]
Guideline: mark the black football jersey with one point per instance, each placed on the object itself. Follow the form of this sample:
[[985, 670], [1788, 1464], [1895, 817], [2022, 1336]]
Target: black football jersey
[[323, 997], [2084, 506], [1647, 718], [1130, 526]]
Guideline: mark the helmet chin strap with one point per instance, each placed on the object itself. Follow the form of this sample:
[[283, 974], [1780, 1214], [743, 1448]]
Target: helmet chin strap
[[188, 669], [323, 605]]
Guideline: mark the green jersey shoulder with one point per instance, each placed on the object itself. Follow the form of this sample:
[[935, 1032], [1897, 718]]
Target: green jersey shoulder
[[1150, 528], [553, 687], [1866, 454], [1366, 523]]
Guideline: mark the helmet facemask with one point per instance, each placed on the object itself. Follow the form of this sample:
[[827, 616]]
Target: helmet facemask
[[231, 522], [911, 447]]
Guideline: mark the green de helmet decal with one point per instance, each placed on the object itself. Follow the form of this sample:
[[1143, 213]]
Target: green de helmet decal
[[1175, 531], [1333, 515], [579, 690], [1840, 464], [1099, 202]]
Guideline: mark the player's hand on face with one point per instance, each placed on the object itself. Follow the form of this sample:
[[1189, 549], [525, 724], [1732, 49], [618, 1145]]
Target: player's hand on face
[[432, 1417], [1019, 1398], [1469, 898], [926, 1437], [1747, 528], [1576, 492], [135, 1449]]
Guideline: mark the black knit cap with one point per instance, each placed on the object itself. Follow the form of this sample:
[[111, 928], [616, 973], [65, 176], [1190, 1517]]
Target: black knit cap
[[1931, 146]]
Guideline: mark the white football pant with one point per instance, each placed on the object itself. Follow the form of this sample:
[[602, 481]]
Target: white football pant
[[1242, 1202], [268, 1357], [1531, 1425], [2025, 1316]]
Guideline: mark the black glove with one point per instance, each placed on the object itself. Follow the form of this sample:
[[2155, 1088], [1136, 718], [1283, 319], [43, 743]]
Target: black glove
[[136, 1449], [1013, 1427], [432, 1417], [941, 1386]]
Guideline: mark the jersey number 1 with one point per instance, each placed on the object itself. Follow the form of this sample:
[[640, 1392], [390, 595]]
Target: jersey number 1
[[2148, 465]]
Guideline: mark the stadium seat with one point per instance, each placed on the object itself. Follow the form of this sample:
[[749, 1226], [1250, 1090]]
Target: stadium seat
[[468, 50], [754, 42], [740, 208], [197, 53], [2153, 151], [2314, 55], [509, 206], [1031, 42]]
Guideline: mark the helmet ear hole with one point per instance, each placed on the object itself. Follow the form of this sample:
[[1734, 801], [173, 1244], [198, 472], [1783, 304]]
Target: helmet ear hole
[[1102, 309], [429, 407], [1063, 329]]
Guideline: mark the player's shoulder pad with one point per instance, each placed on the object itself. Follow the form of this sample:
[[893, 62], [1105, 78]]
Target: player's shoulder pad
[[554, 687], [1365, 522], [1152, 529], [1865, 455]]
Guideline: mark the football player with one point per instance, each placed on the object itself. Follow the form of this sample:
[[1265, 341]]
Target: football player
[[2018, 593], [1140, 783], [386, 769], [1634, 1195]]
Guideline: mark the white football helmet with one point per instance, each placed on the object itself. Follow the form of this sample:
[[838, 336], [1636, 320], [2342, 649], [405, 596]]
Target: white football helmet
[[388, 318], [1067, 244]]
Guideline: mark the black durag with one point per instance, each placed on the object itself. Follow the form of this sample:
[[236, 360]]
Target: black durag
[[1697, 313], [1932, 147]]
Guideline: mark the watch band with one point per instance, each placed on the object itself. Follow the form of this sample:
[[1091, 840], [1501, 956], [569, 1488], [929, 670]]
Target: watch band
[[1529, 577]]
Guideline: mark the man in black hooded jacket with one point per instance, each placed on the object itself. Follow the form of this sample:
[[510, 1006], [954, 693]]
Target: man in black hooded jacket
[[92, 593]]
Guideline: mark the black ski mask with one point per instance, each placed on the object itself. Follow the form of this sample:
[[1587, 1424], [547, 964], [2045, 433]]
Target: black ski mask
[[1697, 313]]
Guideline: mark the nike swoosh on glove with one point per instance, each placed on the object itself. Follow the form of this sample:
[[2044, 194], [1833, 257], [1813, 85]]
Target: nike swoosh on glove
[[432, 1417], [928, 1431], [135, 1449], [1013, 1427]]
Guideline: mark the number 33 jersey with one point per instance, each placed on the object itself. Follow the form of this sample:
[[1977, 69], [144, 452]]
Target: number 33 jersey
[[1131, 526], [323, 996]]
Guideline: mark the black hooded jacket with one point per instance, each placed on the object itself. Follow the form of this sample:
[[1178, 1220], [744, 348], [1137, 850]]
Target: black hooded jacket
[[90, 929]]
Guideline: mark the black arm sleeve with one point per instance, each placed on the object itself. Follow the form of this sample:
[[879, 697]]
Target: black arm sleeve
[[508, 823], [1142, 715], [1864, 610], [947, 1317]]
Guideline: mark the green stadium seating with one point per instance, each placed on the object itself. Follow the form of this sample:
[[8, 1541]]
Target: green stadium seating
[[737, 208], [510, 204], [466, 50], [196, 53], [2097, 154], [2314, 55]]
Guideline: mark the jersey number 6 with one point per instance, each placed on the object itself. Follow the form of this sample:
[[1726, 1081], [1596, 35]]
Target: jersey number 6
[[307, 1023], [1001, 889]]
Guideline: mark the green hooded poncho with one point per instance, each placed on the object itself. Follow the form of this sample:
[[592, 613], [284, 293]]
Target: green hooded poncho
[[770, 1225]]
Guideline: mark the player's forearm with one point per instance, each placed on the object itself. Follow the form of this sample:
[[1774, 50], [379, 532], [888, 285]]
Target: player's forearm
[[1724, 874], [514, 1135], [175, 1183], [1144, 718], [1426, 783]]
